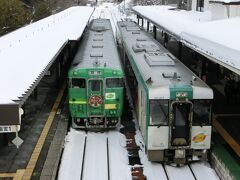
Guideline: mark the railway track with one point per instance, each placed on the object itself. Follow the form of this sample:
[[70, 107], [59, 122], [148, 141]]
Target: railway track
[[90, 156]]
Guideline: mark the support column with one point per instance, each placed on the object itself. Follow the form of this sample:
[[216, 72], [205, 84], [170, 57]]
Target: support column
[[58, 77], [147, 26], [165, 39], [179, 50], [142, 22], [154, 32], [138, 19], [35, 93]]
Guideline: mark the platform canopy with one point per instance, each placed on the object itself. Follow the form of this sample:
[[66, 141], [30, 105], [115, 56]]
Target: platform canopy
[[217, 40], [27, 52]]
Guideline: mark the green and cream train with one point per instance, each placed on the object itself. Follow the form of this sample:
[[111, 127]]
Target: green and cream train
[[95, 79], [173, 106]]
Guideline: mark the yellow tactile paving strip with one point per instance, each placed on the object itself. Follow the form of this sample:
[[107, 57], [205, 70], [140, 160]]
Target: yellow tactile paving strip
[[16, 176], [33, 160], [25, 174], [226, 136]]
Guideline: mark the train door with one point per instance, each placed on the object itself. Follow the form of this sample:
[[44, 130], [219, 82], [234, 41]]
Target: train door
[[180, 126], [142, 111], [95, 97]]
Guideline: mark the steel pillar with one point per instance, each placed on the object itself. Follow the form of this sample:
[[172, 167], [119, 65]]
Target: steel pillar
[[179, 50], [154, 32]]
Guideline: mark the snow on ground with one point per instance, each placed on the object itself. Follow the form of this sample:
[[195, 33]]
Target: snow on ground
[[95, 162], [203, 170], [26, 52], [72, 156], [179, 173], [119, 168]]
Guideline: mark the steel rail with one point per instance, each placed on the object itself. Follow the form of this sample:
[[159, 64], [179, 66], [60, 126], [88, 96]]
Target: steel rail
[[108, 163], [83, 158], [192, 172]]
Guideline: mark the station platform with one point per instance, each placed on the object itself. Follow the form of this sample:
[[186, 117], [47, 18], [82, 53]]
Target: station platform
[[43, 131]]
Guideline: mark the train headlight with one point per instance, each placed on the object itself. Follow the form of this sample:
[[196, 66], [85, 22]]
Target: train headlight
[[75, 73], [180, 153]]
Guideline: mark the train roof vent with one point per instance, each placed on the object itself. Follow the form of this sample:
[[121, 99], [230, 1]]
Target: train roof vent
[[99, 28], [135, 32], [133, 28], [146, 46], [98, 39], [172, 75], [141, 39], [96, 54], [98, 34], [97, 46], [158, 59]]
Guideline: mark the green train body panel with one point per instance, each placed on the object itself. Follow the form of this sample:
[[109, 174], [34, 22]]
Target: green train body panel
[[182, 92], [78, 99]]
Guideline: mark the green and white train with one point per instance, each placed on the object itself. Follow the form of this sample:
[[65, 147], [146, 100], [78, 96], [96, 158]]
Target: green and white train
[[96, 80], [173, 106]]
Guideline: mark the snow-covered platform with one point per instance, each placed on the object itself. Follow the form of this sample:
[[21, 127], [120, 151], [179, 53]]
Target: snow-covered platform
[[217, 40], [27, 53]]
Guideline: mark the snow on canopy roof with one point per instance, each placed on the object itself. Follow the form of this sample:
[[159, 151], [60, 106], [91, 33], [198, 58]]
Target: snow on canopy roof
[[173, 20], [224, 1], [28, 51], [218, 39]]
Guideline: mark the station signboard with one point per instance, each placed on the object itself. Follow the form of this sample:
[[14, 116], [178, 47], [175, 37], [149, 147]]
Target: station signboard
[[10, 118]]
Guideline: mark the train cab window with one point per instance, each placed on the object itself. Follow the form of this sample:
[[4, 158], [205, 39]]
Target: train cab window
[[95, 85], [78, 83], [158, 112], [201, 112], [114, 82]]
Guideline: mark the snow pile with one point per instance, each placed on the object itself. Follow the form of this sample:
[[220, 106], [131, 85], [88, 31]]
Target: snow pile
[[218, 39], [26, 52]]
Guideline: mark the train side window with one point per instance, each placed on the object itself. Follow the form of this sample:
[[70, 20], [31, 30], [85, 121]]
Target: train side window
[[159, 112], [201, 112], [78, 83], [114, 82]]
